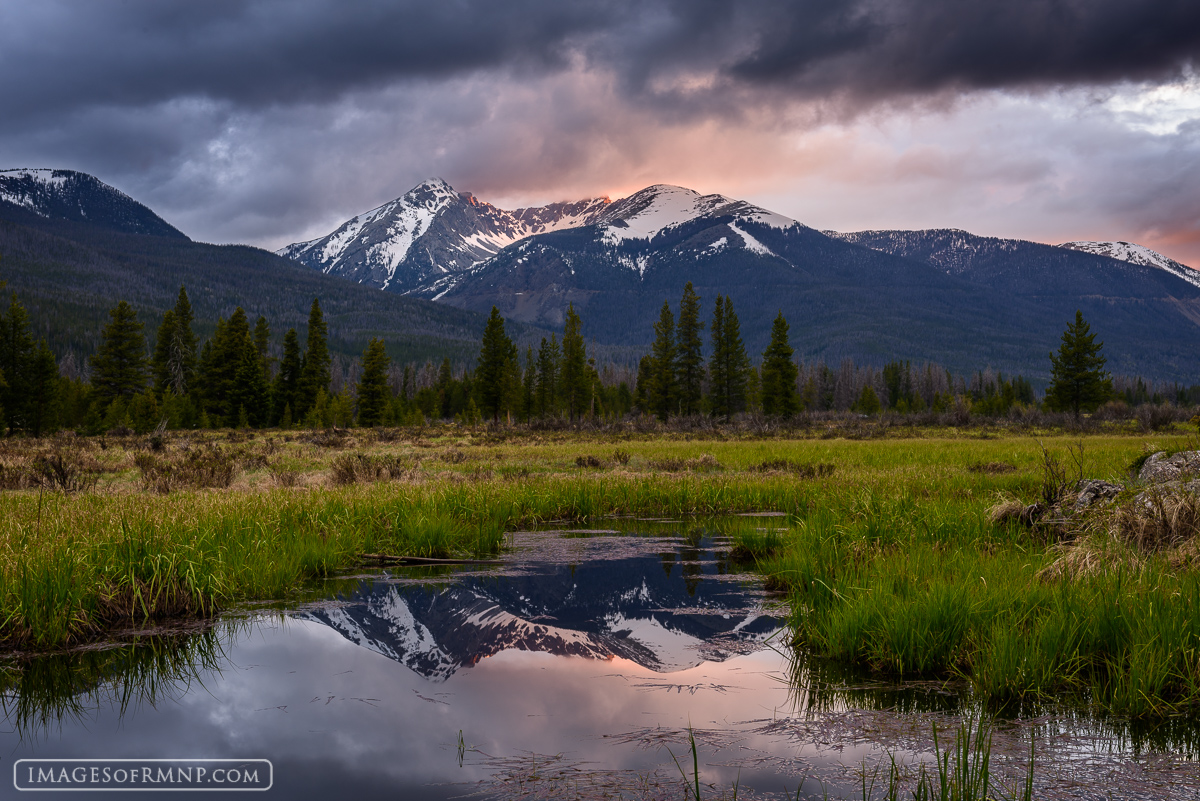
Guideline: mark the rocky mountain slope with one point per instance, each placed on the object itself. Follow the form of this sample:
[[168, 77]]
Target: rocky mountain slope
[[78, 197], [1137, 254], [948, 296], [663, 614], [430, 232]]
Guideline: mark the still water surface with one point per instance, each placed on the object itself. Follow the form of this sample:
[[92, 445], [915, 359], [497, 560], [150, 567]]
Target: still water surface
[[574, 670]]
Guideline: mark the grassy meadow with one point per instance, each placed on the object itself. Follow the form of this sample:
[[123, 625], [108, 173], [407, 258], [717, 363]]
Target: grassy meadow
[[890, 555]]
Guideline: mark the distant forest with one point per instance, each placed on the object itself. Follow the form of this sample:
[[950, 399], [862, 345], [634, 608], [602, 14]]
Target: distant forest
[[172, 378]]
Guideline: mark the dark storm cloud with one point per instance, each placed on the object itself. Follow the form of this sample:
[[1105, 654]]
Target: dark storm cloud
[[55, 56], [876, 48], [267, 120]]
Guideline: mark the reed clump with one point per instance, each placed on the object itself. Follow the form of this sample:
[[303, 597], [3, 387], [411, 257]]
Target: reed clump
[[800, 469], [704, 463], [60, 468], [351, 468], [209, 466], [757, 544]]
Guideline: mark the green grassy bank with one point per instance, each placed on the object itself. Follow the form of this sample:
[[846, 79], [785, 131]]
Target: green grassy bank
[[890, 557]]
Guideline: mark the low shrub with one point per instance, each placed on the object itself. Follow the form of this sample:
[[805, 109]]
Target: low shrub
[[195, 468], [350, 468]]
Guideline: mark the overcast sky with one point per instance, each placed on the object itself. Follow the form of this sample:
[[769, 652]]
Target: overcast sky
[[270, 122]]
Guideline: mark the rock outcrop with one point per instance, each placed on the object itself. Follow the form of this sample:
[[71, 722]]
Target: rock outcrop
[[1161, 468]]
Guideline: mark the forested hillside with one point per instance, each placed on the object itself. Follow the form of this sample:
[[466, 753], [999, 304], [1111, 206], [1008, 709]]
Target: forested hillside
[[70, 274]]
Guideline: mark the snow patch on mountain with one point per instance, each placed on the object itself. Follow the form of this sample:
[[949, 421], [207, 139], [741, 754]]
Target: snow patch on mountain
[[79, 197], [1137, 254], [752, 244], [429, 232], [645, 214], [28, 193], [638, 264]]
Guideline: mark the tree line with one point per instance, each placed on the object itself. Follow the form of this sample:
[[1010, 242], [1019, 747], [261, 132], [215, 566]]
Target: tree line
[[233, 379]]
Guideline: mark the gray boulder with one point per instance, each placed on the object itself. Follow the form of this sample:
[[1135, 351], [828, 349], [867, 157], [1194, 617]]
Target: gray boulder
[[1091, 490], [1160, 468]]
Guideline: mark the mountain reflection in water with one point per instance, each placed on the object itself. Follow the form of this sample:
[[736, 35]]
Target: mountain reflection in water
[[579, 669], [665, 611]]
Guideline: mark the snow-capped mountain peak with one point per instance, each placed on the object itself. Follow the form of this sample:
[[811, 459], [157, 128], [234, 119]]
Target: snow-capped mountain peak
[[1137, 254], [644, 214], [430, 232], [79, 197]]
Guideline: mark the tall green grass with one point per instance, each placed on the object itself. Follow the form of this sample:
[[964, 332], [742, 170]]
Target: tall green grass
[[88, 563], [932, 588]]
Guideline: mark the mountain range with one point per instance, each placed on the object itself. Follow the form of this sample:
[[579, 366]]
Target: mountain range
[[666, 612], [71, 246], [944, 295]]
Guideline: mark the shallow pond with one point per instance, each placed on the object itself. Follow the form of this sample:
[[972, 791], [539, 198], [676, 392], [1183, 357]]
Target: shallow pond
[[579, 668]]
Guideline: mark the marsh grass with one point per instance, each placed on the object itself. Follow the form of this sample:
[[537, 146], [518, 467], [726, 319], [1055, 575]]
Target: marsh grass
[[960, 773], [92, 562], [194, 468], [800, 469], [892, 562], [703, 463], [351, 468], [937, 590], [753, 545]]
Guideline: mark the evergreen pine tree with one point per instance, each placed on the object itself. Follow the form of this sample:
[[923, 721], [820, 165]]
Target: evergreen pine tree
[[689, 359], [262, 338], [143, 413], [497, 357], [314, 370], [728, 363], [287, 380], [1079, 382], [716, 365], [779, 373], [251, 393], [868, 401], [573, 379], [547, 377], [406, 385], [372, 390], [16, 361], [222, 372], [160, 362], [179, 358], [753, 390], [44, 391], [645, 379], [119, 366], [529, 385], [445, 389], [662, 396]]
